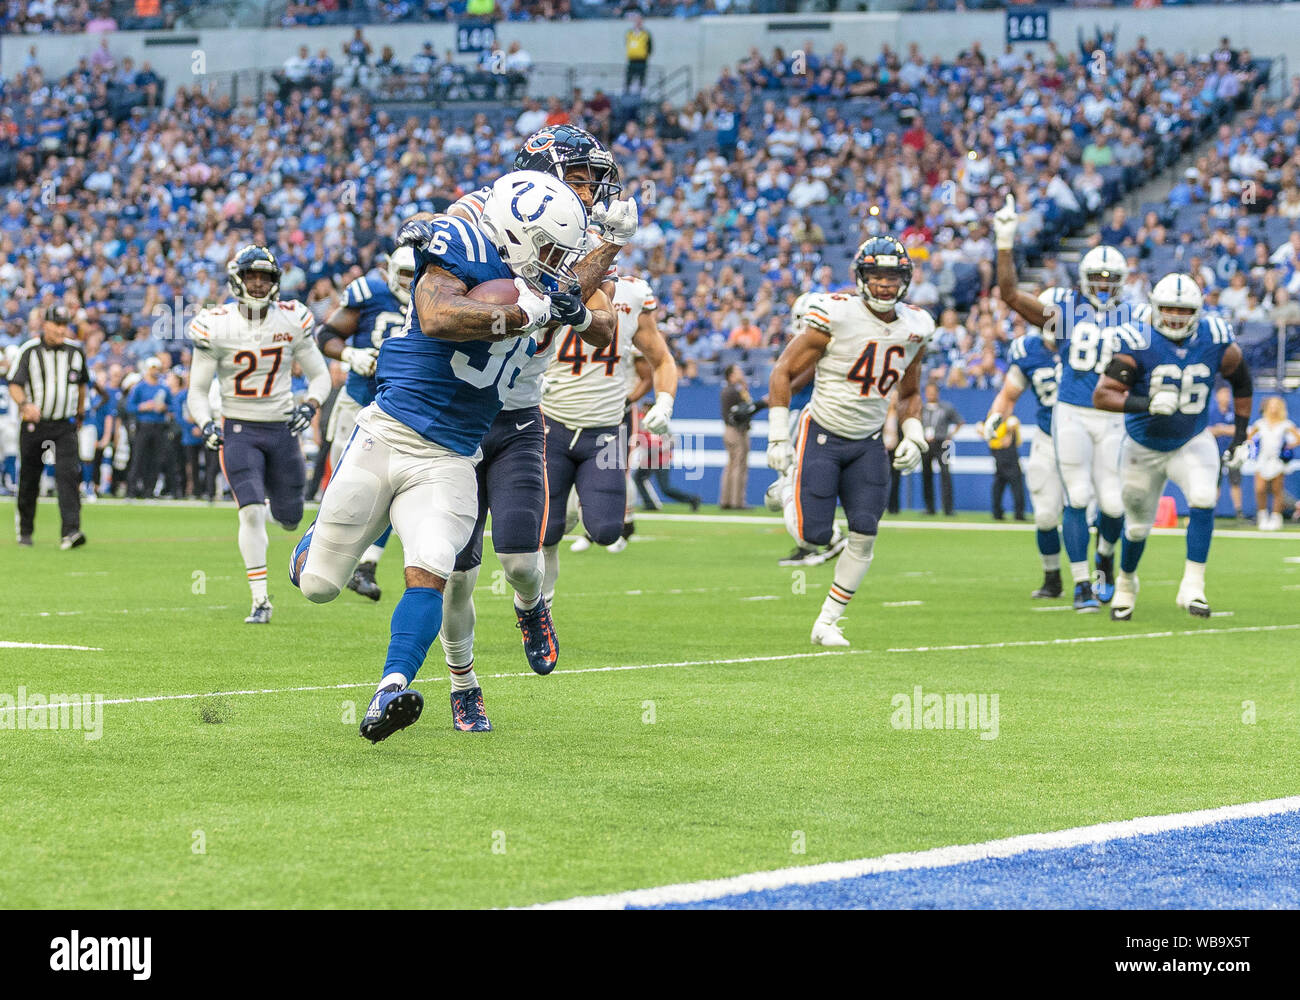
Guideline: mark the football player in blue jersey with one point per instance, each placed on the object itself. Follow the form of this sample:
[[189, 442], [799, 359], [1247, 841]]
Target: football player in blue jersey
[[1161, 377], [512, 478], [373, 308], [1087, 440], [441, 380], [1033, 365]]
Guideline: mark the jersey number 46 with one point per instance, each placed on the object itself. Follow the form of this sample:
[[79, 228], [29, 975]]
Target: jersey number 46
[[864, 369]]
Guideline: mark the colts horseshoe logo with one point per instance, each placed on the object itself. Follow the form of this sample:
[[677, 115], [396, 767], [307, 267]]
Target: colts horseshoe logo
[[514, 204]]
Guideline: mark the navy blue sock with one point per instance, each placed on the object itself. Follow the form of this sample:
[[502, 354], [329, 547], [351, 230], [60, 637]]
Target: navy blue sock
[[1074, 523], [11, 469], [1200, 527], [1130, 554], [1049, 542], [382, 540], [416, 621], [87, 473], [1108, 529]]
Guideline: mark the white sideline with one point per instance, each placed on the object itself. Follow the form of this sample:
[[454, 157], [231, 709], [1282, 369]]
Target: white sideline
[[47, 645], [811, 654], [938, 857]]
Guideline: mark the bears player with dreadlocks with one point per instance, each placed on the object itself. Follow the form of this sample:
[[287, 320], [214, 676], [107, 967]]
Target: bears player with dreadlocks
[[864, 347], [511, 476], [373, 308], [249, 346], [1161, 377]]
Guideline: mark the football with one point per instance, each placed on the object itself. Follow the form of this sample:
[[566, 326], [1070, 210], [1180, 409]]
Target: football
[[1006, 429], [500, 291]]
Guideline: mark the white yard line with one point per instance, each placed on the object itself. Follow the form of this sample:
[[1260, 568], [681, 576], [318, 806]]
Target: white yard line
[[939, 857], [46, 645], [811, 654]]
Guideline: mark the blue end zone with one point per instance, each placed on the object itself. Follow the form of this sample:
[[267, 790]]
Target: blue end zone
[[1240, 864]]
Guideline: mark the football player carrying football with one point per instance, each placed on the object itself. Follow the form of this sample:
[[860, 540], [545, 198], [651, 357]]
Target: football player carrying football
[[1161, 377], [441, 381], [1087, 440], [864, 347], [1032, 364], [242, 345], [512, 474], [373, 307]]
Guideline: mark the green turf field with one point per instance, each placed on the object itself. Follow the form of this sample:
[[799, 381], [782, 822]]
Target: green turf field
[[723, 744]]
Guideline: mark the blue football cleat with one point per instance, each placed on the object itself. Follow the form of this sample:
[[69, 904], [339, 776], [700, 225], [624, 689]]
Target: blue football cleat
[[1103, 581], [467, 712], [392, 708], [299, 557], [1084, 599], [540, 644]]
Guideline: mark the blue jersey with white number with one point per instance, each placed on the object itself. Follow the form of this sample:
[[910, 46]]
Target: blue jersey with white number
[[381, 316], [1042, 371], [1081, 341], [449, 392], [1188, 367]]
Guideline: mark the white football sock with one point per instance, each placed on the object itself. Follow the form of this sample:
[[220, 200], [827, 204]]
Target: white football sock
[[1080, 572], [850, 570], [1052, 563], [387, 679], [458, 617], [463, 678], [551, 572], [252, 546], [1194, 576], [372, 554], [525, 572]]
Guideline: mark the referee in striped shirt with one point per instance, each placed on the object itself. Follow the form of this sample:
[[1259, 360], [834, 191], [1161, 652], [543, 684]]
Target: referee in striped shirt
[[48, 382]]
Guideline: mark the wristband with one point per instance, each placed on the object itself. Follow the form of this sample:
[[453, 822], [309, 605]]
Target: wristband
[[1240, 426], [1136, 404], [778, 424]]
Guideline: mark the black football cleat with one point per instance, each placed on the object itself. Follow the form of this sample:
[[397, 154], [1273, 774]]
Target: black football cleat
[[71, 541], [1085, 601], [1104, 579], [260, 615], [363, 581], [467, 712], [392, 709], [541, 646], [1051, 587]]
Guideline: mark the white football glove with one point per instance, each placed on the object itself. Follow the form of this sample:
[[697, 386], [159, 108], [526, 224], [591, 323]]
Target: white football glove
[[1004, 225], [537, 308], [1163, 403], [361, 360], [991, 424], [907, 456], [780, 452], [1237, 456], [616, 221], [657, 417]]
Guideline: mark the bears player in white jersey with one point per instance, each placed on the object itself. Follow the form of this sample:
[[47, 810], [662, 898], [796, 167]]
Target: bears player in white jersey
[[373, 308], [242, 346], [442, 379], [584, 399], [864, 346], [512, 473], [1087, 440], [1033, 365], [1161, 377]]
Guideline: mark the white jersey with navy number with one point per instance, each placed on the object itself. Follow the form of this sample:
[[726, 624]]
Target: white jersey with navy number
[[1189, 367], [1041, 370], [380, 316], [586, 386], [255, 358], [449, 392], [1082, 343], [864, 361]]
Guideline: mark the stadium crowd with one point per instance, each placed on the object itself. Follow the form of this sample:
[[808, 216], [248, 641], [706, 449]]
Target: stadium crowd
[[123, 198]]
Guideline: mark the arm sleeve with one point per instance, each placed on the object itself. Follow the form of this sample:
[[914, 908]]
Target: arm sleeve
[[313, 364], [203, 369]]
